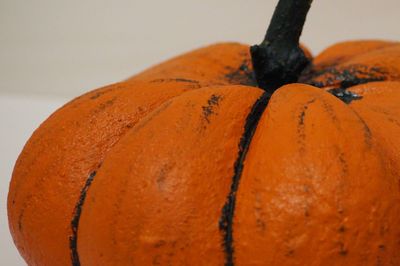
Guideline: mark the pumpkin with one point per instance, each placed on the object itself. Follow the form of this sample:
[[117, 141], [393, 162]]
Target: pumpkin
[[224, 155]]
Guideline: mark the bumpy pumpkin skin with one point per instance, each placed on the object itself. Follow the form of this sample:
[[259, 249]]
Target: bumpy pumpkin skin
[[72, 143], [321, 188], [318, 183]]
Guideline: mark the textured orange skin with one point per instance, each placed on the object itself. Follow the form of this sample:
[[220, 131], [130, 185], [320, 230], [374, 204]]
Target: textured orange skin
[[56, 161], [318, 188], [164, 168], [344, 51], [173, 187]]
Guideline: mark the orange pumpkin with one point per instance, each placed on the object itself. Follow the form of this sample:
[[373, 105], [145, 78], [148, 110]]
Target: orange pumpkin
[[191, 163]]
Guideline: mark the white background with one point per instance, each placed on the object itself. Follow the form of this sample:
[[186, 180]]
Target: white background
[[53, 50]]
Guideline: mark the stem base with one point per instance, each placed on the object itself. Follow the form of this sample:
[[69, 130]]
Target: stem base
[[274, 67]]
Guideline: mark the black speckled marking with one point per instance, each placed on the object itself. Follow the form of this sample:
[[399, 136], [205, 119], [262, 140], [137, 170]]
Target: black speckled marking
[[100, 92], [343, 78], [75, 221], [301, 126], [345, 95], [226, 220], [208, 110], [243, 75], [176, 80], [367, 131]]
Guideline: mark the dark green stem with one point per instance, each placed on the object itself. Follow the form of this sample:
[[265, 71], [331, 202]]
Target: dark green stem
[[279, 60]]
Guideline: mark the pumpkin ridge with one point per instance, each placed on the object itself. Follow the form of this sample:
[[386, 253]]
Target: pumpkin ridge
[[226, 220], [120, 203], [322, 60], [73, 245], [97, 93], [73, 240]]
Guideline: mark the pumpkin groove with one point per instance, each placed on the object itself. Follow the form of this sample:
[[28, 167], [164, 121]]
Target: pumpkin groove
[[226, 220], [73, 240]]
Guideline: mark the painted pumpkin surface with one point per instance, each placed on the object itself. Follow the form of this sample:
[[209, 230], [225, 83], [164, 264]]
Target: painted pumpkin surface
[[199, 161]]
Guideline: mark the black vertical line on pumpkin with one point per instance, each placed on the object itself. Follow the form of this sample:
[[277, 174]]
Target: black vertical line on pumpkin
[[278, 60], [73, 240], [226, 220]]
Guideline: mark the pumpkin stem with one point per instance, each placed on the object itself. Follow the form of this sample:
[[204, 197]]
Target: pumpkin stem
[[279, 60]]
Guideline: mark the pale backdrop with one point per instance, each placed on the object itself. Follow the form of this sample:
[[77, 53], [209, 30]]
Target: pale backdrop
[[68, 47]]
